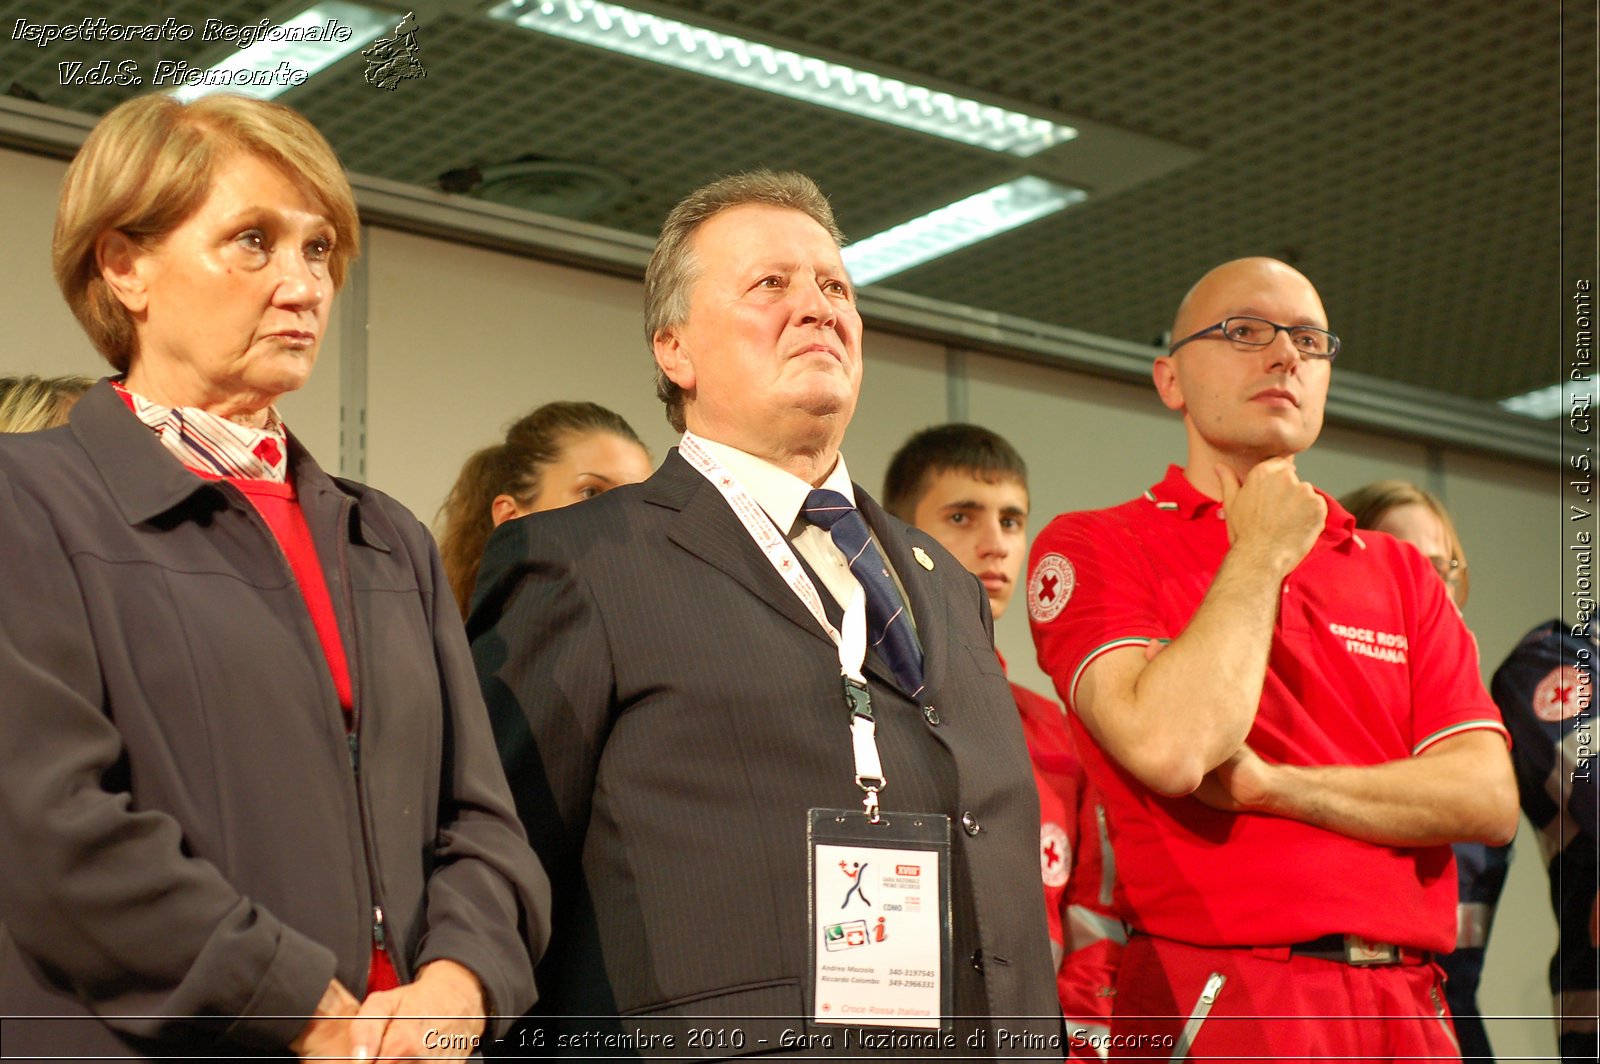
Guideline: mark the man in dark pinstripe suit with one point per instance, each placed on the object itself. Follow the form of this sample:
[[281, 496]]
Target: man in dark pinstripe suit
[[669, 708]]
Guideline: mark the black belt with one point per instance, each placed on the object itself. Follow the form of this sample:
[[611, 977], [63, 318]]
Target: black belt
[[1357, 951]]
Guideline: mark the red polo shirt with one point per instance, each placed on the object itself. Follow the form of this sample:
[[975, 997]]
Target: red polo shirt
[[1075, 861], [1370, 663]]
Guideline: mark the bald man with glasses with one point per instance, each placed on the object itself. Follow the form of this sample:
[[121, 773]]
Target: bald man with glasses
[[1285, 717]]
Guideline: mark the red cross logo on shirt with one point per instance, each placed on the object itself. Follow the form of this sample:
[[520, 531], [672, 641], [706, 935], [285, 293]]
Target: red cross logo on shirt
[[1561, 694], [1049, 587], [1054, 854]]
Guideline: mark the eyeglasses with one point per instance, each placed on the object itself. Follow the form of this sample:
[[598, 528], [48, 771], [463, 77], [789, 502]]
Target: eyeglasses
[[1311, 342], [1450, 570]]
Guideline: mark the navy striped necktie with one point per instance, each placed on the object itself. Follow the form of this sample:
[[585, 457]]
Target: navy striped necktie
[[889, 628]]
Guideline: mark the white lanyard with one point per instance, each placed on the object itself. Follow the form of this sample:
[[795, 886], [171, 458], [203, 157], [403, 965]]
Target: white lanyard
[[852, 643]]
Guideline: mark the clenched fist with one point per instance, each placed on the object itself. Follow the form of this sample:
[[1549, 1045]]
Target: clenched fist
[[1273, 515]]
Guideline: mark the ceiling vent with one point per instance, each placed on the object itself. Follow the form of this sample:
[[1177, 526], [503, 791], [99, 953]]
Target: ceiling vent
[[548, 186]]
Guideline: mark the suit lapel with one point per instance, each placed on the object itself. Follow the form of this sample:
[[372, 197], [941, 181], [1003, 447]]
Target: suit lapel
[[924, 587], [707, 528]]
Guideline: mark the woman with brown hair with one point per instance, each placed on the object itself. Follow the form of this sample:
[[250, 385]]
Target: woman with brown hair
[[251, 801], [559, 454]]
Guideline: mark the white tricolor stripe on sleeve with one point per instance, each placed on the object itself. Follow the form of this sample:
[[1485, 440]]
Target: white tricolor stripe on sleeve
[[1103, 648], [1457, 729]]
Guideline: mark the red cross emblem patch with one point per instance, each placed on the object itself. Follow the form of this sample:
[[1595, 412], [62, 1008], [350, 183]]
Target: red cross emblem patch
[[1055, 854], [1049, 587], [1561, 694]]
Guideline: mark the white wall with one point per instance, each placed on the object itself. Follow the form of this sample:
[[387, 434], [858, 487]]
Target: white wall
[[459, 341], [40, 333]]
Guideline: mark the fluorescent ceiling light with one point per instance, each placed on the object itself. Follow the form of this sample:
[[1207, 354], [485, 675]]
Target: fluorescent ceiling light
[[1554, 401], [777, 70], [960, 224], [259, 70]]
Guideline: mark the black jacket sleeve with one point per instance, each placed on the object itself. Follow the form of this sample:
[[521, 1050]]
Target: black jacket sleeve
[[488, 899]]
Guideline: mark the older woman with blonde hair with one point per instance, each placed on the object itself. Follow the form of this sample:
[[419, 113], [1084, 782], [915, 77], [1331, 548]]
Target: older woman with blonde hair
[[251, 801]]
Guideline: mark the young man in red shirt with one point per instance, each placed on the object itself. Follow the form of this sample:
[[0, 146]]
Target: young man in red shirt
[[1287, 773], [968, 488]]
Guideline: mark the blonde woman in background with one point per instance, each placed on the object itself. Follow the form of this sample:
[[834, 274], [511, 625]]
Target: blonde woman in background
[[30, 403], [1416, 516], [557, 455]]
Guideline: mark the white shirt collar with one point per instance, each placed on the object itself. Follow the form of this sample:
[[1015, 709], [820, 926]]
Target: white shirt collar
[[779, 492]]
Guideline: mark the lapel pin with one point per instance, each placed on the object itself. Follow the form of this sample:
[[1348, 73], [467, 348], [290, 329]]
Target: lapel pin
[[922, 558]]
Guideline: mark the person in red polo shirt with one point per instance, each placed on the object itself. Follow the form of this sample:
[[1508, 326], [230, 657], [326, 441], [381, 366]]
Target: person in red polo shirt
[[967, 487], [1287, 773]]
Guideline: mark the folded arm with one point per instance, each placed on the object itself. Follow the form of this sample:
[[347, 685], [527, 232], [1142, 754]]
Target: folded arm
[[1170, 719], [1460, 789]]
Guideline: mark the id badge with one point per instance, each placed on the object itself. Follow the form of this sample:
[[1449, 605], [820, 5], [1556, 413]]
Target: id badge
[[880, 919]]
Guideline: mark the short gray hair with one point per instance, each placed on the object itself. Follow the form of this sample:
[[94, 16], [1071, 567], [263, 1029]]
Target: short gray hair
[[673, 268]]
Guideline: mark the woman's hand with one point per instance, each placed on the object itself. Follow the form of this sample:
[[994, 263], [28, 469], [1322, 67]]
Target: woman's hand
[[439, 1015], [333, 1031]]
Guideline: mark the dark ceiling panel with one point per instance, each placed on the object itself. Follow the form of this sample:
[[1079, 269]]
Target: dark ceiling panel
[[1406, 155]]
